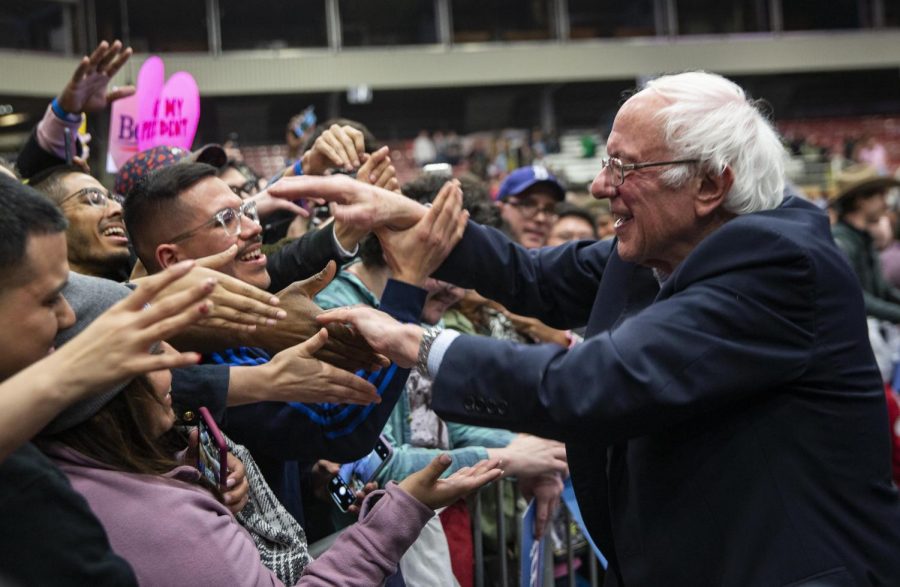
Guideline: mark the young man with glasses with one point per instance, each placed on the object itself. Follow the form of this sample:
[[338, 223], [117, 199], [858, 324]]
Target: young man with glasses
[[185, 212], [97, 242], [527, 200]]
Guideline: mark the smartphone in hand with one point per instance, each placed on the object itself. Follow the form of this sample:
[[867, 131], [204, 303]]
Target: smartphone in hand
[[212, 452], [352, 477]]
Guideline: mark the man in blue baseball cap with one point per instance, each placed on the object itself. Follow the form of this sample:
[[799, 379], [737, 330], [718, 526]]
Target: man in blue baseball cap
[[527, 200]]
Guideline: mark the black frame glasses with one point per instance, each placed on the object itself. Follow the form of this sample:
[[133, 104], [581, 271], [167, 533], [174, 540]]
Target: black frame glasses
[[228, 218], [529, 209]]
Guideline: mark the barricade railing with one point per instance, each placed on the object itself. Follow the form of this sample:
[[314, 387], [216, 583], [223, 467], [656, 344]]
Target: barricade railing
[[506, 571]]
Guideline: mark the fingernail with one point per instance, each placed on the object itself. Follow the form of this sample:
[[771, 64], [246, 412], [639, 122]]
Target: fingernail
[[274, 301], [270, 322], [281, 314], [231, 482]]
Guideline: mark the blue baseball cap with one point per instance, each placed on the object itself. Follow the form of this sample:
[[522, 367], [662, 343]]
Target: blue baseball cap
[[525, 177]]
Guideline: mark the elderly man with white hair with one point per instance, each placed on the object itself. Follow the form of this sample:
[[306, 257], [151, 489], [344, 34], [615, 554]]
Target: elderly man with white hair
[[724, 418]]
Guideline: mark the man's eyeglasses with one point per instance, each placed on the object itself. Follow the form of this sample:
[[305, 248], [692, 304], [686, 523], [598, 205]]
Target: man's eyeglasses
[[96, 197], [617, 169], [228, 218], [251, 188], [530, 209]]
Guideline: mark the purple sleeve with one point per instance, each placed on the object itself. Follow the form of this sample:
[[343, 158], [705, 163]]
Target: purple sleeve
[[368, 551]]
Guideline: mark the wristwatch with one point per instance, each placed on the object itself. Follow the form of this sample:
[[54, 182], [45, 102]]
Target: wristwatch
[[428, 336]]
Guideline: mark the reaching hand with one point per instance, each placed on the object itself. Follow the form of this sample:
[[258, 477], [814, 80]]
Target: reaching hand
[[378, 171], [415, 253], [339, 146], [295, 376], [236, 305], [344, 348], [398, 342], [364, 206], [114, 347], [266, 205], [87, 90], [427, 486], [528, 455], [545, 490], [536, 330]]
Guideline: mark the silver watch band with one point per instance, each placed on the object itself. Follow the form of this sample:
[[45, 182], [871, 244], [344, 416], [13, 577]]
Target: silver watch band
[[428, 336]]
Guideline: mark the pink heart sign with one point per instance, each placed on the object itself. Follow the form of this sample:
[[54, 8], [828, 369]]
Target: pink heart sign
[[167, 114], [122, 135]]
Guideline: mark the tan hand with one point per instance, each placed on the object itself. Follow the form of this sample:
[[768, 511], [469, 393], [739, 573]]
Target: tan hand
[[364, 206], [114, 347], [293, 375], [344, 348], [536, 330], [545, 490], [415, 253], [339, 146], [266, 205], [237, 305], [378, 171], [87, 89], [398, 342], [527, 456], [237, 491], [427, 486]]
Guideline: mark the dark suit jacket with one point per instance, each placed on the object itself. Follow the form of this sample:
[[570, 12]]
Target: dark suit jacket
[[729, 430]]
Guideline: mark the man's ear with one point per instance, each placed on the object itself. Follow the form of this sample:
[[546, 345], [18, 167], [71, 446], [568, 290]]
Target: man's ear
[[712, 191], [168, 254]]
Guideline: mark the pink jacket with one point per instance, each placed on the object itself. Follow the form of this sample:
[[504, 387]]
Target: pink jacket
[[173, 532]]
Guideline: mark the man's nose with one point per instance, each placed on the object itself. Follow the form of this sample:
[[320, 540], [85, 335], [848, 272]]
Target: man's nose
[[601, 188], [250, 228]]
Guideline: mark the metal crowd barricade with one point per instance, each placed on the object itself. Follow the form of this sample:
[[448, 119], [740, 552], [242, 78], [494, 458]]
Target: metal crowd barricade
[[508, 567]]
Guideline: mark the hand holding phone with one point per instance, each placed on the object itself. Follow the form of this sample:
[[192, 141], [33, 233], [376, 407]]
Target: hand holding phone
[[212, 452], [354, 476]]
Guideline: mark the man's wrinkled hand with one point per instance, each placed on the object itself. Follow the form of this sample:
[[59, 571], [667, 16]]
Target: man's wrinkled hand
[[415, 253]]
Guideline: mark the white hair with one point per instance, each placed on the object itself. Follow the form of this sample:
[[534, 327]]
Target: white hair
[[710, 118]]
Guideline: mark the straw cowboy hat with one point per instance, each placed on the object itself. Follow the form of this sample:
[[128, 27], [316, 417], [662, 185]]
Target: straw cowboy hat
[[859, 179]]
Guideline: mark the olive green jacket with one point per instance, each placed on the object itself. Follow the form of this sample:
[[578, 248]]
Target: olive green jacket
[[882, 300]]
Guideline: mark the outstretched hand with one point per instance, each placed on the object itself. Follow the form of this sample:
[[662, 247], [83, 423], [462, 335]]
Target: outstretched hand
[[344, 348], [364, 206], [296, 376], [377, 170], [114, 347], [415, 253], [338, 146], [87, 90], [398, 342], [237, 305], [427, 486]]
